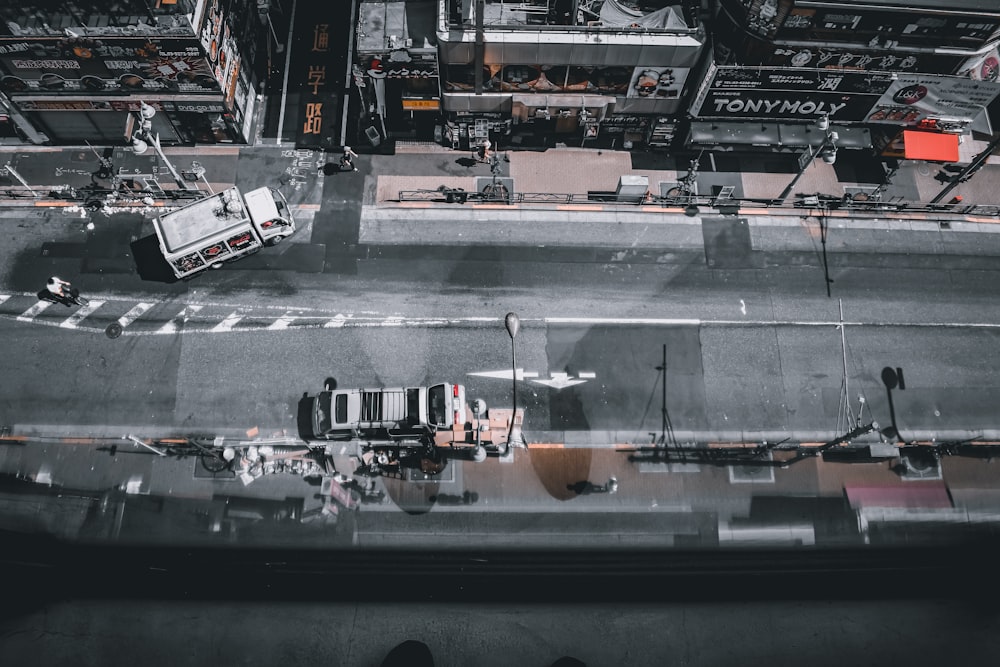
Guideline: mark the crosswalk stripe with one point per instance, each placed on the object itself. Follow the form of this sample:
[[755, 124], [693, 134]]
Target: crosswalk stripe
[[33, 312], [228, 323], [335, 322], [173, 325], [73, 320], [282, 322], [134, 313]]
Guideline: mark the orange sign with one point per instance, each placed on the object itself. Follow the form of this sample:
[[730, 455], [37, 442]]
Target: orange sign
[[421, 104]]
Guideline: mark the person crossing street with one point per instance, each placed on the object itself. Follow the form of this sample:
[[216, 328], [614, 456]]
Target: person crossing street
[[347, 161]]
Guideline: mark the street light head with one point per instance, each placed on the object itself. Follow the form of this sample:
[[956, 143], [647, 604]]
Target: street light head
[[513, 323], [146, 111], [139, 146], [829, 155], [823, 123]]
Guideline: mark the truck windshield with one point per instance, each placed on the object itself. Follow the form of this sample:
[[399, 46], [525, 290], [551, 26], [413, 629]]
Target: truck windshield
[[437, 406], [340, 415]]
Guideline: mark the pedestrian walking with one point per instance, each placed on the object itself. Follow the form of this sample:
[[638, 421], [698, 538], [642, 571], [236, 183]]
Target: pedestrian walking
[[347, 161], [484, 152]]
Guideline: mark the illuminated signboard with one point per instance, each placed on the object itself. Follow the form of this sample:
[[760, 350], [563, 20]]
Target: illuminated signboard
[[112, 66]]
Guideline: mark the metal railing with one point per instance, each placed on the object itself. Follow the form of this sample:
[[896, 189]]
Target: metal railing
[[820, 203]]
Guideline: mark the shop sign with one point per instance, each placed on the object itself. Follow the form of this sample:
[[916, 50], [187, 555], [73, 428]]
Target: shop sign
[[854, 59], [788, 93], [84, 65], [913, 98], [381, 69], [421, 105], [983, 68], [318, 105], [780, 78]]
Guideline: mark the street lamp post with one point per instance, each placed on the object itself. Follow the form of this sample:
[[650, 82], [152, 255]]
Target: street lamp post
[[826, 150], [513, 324], [138, 131]]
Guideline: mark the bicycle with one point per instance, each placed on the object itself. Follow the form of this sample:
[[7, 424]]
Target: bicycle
[[69, 297]]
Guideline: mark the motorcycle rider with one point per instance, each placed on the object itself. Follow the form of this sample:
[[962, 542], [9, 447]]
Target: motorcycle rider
[[60, 289]]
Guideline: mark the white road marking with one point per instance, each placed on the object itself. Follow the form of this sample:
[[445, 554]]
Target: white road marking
[[588, 375], [74, 320], [282, 322], [173, 325], [506, 375], [743, 307], [559, 381], [132, 314], [33, 312], [620, 320], [317, 318], [336, 322], [228, 323]]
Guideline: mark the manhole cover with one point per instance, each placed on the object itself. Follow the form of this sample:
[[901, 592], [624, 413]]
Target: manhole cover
[[114, 330]]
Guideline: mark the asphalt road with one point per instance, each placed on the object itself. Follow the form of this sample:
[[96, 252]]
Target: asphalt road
[[579, 377]]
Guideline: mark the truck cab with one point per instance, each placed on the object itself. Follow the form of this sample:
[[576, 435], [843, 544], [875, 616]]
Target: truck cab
[[387, 413]]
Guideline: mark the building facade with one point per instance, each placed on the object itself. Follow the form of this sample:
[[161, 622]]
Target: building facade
[[71, 72], [579, 72], [874, 68], [396, 70]]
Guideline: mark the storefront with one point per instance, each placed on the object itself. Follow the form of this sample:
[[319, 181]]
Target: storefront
[[76, 90], [396, 70]]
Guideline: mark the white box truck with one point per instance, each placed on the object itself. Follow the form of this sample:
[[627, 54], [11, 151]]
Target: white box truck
[[390, 413], [221, 228]]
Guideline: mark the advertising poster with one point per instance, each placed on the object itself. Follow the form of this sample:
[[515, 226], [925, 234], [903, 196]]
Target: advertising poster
[[93, 66], [657, 82], [913, 98]]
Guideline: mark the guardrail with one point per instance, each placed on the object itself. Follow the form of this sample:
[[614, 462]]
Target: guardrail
[[819, 202], [95, 199]]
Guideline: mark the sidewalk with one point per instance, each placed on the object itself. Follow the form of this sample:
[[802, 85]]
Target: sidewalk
[[578, 171], [558, 173]]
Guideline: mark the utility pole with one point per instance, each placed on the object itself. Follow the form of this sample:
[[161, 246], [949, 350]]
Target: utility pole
[[827, 150]]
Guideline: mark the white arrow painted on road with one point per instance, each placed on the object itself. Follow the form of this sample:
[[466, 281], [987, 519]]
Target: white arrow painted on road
[[559, 381], [506, 375]]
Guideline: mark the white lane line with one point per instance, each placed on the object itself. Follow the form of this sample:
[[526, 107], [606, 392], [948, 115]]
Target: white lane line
[[589, 375], [336, 322], [620, 320], [281, 323], [506, 374], [33, 312], [4, 297], [173, 325], [136, 311], [74, 320], [228, 323]]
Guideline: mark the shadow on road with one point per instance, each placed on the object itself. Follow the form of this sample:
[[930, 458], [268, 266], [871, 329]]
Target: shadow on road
[[149, 262]]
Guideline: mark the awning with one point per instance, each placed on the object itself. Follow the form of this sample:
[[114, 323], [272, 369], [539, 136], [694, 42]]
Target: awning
[[907, 494], [773, 134], [932, 146]]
